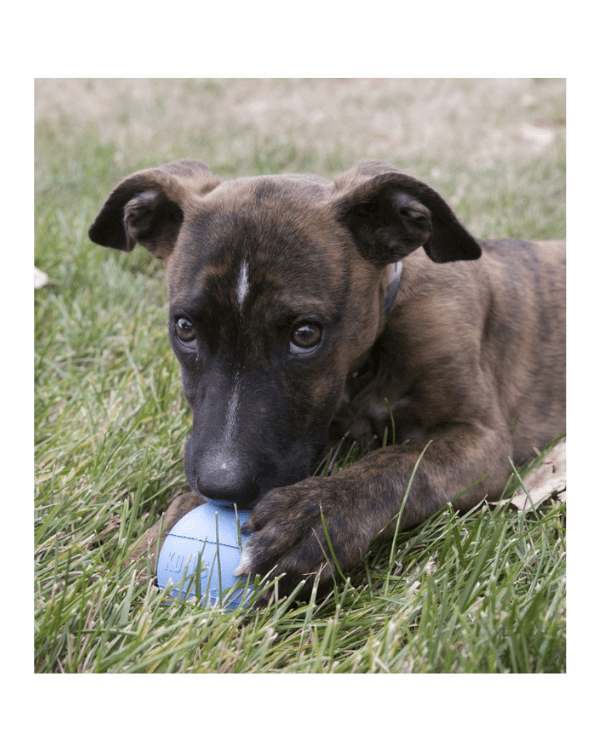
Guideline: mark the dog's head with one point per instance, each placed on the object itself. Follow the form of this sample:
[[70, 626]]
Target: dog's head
[[277, 291]]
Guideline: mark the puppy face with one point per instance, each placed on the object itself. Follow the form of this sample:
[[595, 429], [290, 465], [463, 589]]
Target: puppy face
[[263, 318]]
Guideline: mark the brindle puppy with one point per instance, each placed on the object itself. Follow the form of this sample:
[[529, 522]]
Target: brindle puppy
[[303, 310]]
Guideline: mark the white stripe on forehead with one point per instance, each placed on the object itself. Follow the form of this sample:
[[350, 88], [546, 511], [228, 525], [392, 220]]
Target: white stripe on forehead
[[242, 285]]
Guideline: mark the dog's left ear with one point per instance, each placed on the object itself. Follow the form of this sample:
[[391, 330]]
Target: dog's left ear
[[391, 214], [149, 207]]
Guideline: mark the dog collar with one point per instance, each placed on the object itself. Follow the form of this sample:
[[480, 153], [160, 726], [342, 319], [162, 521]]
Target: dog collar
[[393, 286]]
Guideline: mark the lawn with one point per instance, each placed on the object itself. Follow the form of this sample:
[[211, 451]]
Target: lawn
[[482, 593]]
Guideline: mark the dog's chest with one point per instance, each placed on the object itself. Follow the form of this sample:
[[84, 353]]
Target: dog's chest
[[364, 413]]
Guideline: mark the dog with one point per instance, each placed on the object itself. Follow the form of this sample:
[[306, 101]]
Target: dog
[[305, 312]]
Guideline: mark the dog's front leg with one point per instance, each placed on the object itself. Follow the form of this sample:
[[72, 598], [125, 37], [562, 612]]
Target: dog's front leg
[[364, 500]]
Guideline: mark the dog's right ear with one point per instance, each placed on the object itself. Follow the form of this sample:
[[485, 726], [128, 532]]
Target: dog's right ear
[[391, 214], [148, 207]]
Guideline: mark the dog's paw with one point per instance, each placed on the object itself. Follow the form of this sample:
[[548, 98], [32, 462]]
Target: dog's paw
[[302, 531]]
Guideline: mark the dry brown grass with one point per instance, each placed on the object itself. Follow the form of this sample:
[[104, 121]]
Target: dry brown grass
[[400, 120]]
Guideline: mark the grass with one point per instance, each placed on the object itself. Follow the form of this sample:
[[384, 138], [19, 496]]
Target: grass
[[484, 594], [480, 593]]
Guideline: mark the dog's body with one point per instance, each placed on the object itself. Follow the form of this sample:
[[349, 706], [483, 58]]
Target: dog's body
[[304, 311]]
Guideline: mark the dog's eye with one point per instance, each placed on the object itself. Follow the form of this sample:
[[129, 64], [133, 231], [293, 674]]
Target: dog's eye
[[184, 329], [305, 338]]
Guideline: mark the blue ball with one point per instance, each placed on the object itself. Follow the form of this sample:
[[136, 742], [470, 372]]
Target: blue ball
[[209, 534]]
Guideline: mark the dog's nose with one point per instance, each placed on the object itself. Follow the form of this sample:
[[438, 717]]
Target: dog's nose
[[225, 480]]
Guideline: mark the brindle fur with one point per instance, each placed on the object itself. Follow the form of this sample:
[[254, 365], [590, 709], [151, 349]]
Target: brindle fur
[[471, 356]]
